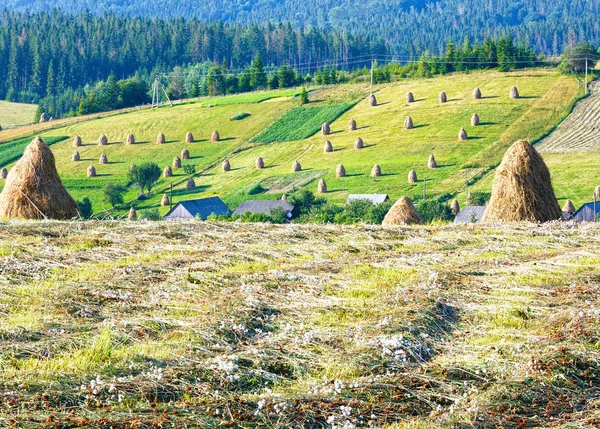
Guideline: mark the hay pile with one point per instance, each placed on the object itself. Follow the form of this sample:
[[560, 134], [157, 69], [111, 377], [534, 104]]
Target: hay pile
[[176, 162], [260, 164], [328, 147], [103, 159], [352, 125], [102, 140], [226, 165], [131, 166], [568, 207], [77, 141], [462, 135], [76, 157], [410, 98], [597, 193], [476, 94], [431, 163], [3, 173], [189, 137], [455, 207], [44, 118], [284, 197], [33, 189], [130, 139], [408, 123], [340, 171], [296, 167], [376, 171], [358, 143], [475, 119], [403, 212], [522, 189], [165, 201], [190, 185], [412, 176], [514, 92], [215, 137], [185, 154], [91, 171], [372, 100], [167, 172], [325, 129], [322, 187], [161, 139], [442, 98], [132, 215]]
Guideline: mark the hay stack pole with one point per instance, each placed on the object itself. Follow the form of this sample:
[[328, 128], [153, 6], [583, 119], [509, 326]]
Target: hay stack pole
[[215, 137], [161, 139], [226, 165], [431, 163], [408, 123], [376, 171], [403, 212], [412, 177], [130, 139], [372, 100], [475, 119], [322, 187], [167, 172], [340, 171], [328, 148], [176, 162], [442, 98], [91, 171], [132, 215], [455, 207], [76, 157], [260, 164], [77, 141], [185, 154], [351, 125], [462, 135], [190, 185], [102, 140], [358, 143], [33, 189], [477, 94], [514, 93], [189, 137], [325, 129], [410, 98], [296, 167], [103, 159], [522, 189], [165, 201], [3, 173], [569, 207]]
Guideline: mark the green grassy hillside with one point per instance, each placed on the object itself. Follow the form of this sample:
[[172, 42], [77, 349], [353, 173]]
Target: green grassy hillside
[[15, 114]]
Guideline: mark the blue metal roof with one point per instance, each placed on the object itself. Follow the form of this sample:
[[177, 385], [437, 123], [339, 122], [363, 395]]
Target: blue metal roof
[[263, 206], [586, 213], [201, 208]]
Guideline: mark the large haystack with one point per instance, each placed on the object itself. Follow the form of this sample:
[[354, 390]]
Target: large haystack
[[477, 94], [161, 139], [185, 154], [403, 212], [412, 176], [102, 140], [408, 123], [77, 141], [514, 92], [328, 147], [376, 171], [462, 135], [167, 172], [358, 143], [372, 100], [431, 163], [296, 167], [475, 119], [165, 201], [215, 137], [132, 215], [190, 185], [3, 173], [322, 187], [340, 171], [103, 159], [226, 165], [260, 164], [176, 162], [410, 98], [442, 98], [189, 137], [91, 171], [44, 118], [522, 189], [569, 207], [351, 125], [325, 129], [33, 189], [455, 207], [130, 139], [76, 157]]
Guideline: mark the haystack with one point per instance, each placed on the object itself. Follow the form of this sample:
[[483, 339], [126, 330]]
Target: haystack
[[167, 172], [33, 190], [215, 137], [475, 119], [284, 197], [442, 98], [176, 162], [328, 147], [455, 207], [296, 167], [476, 94], [408, 123], [131, 166], [568, 207], [340, 171], [103, 159], [431, 163], [522, 189], [412, 176], [161, 139], [226, 165], [44, 118], [3, 173], [322, 187], [260, 164], [132, 215], [91, 171], [597, 193], [376, 171], [325, 129], [410, 98], [462, 135], [403, 212], [102, 140], [77, 141], [189, 137], [514, 92], [130, 139], [76, 157], [352, 125], [190, 185], [185, 154], [372, 100], [165, 200], [358, 143]]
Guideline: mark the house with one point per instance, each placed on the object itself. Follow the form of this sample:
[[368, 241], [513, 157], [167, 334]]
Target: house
[[264, 206], [201, 208], [587, 212], [374, 198], [470, 214]]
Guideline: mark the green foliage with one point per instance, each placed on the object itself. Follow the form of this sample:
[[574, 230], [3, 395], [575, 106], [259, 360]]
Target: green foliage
[[113, 194], [189, 169], [85, 208], [301, 122], [150, 214], [434, 210], [367, 212], [145, 175], [303, 201], [239, 116], [574, 59], [12, 151], [304, 96], [479, 198]]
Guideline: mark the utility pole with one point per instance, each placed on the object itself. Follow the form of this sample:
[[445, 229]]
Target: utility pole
[[171, 198], [425, 187], [156, 87], [586, 76], [467, 186]]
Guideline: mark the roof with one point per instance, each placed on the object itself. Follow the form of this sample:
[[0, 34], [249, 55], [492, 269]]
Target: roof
[[470, 214], [201, 208], [374, 198], [263, 206], [586, 212]]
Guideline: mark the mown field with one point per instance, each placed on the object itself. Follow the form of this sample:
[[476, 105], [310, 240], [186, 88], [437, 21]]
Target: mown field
[[148, 325], [15, 114]]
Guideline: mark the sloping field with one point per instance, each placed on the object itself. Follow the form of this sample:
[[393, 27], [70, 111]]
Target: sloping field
[[196, 325], [15, 114]]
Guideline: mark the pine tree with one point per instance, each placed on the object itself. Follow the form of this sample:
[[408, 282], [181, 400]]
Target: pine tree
[[50, 82], [258, 77]]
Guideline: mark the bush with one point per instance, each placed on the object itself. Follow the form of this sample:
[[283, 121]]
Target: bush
[[303, 201], [239, 116], [150, 214], [85, 208], [367, 212], [113, 194], [189, 169], [479, 198], [434, 210]]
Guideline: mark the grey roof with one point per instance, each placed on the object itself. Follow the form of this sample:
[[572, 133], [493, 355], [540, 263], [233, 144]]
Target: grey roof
[[374, 198], [202, 208], [586, 212], [263, 206], [470, 214]]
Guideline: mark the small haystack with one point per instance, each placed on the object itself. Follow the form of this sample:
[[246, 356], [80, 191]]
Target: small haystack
[[475, 119], [103, 159], [340, 171], [161, 139], [76, 157], [328, 147], [185, 154], [351, 125], [296, 167], [130, 139], [176, 162], [462, 135], [3, 173], [514, 92], [33, 190], [403, 212], [189, 137], [455, 207], [190, 185], [408, 123], [167, 172], [569, 207], [522, 189], [376, 171], [132, 215], [284, 197], [102, 140], [477, 94], [325, 129], [44, 118], [431, 163], [597, 193], [165, 201], [410, 98], [215, 137], [91, 171], [358, 143], [412, 176], [260, 164], [442, 98], [77, 141], [226, 165], [131, 166], [322, 187], [372, 100]]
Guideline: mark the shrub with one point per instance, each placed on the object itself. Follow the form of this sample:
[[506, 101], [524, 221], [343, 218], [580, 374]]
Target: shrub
[[303, 201], [150, 214], [432, 210], [85, 208], [239, 116], [189, 169], [113, 194], [479, 198]]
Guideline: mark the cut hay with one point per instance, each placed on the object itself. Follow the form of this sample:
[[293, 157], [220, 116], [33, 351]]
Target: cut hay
[[91, 171], [403, 212], [522, 189], [176, 162], [296, 167], [226, 165], [408, 123], [167, 171], [77, 141], [569, 207], [322, 187], [103, 159], [351, 125], [358, 143], [376, 171], [130, 139], [44, 118], [442, 98], [431, 163], [597, 193], [410, 98], [514, 92], [340, 171], [475, 119], [189, 137], [102, 140], [3, 173], [190, 185], [462, 135], [260, 164], [185, 154], [165, 201], [477, 94], [325, 129], [33, 189], [412, 176], [455, 207], [132, 215], [76, 157], [215, 137], [372, 100], [328, 147], [161, 139]]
